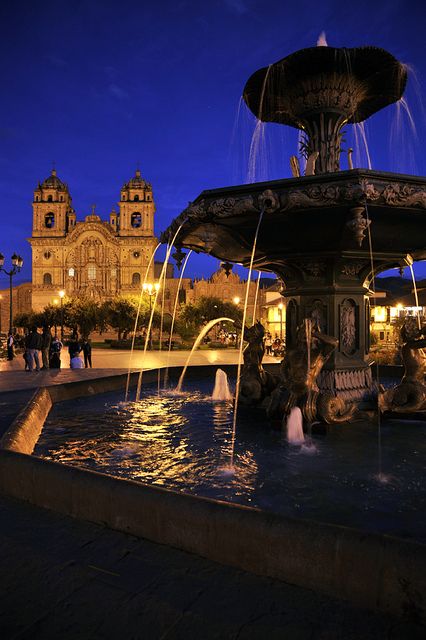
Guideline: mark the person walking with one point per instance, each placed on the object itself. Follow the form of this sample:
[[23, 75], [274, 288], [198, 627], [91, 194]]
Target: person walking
[[55, 353], [46, 339], [33, 345], [10, 354], [74, 350], [87, 352]]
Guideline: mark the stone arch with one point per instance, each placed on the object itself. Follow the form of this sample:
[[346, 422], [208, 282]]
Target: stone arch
[[136, 219], [49, 220]]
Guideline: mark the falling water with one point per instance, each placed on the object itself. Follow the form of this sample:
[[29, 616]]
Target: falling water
[[221, 389], [404, 137], [240, 354], [360, 138], [373, 282], [256, 296], [137, 320], [409, 262], [295, 426], [257, 146], [163, 271], [204, 331], [172, 326]]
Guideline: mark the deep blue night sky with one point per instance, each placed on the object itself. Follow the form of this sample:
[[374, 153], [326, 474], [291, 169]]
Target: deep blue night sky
[[98, 87]]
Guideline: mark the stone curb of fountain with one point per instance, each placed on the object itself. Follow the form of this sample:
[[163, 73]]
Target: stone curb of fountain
[[369, 570]]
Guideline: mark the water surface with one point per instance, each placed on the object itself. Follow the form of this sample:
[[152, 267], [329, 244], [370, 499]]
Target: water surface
[[183, 442]]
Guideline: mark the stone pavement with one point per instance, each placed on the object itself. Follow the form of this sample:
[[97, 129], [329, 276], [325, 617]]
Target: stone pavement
[[63, 578]]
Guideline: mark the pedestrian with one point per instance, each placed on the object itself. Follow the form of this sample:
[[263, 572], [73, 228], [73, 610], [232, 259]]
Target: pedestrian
[[74, 350], [10, 354], [87, 351], [45, 347], [55, 353], [268, 344], [33, 344]]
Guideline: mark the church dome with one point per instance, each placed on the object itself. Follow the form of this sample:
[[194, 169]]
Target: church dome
[[53, 182], [137, 182]]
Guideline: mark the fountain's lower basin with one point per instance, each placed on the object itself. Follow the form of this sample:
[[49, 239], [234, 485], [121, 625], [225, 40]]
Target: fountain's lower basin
[[183, 443]]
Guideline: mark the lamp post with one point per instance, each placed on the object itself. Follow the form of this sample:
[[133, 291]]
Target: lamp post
[[61, 295], [17, 263], [151, 290], [236, 300], [280, 308]]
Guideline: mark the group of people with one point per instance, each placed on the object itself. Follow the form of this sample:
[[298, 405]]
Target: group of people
[[274, 347], [42, 351]]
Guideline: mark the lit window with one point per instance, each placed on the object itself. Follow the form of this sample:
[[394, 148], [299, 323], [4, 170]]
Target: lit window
[[71, 272], [91, 272]]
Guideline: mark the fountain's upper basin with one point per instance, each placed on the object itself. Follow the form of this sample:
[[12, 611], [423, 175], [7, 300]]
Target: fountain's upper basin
[[308, 217], [355, 82], [183, 443]]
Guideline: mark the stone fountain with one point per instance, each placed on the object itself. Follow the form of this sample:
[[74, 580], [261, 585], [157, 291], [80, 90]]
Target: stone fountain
[[325, 235]]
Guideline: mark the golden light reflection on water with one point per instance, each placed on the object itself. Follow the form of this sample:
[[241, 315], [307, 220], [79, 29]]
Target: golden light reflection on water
[[183, 442], [176, 440]]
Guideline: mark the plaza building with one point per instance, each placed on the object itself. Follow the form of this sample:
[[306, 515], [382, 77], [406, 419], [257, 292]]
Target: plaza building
[[91, 258]]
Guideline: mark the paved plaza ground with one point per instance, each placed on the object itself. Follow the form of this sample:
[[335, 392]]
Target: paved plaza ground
[[62, 578]]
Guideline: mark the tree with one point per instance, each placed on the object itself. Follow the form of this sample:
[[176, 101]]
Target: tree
[[120, 314], [194, 315], [83, 315]]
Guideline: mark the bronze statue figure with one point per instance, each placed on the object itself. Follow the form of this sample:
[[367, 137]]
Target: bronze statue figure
[[300, 370], [410, 394], [256, 383]]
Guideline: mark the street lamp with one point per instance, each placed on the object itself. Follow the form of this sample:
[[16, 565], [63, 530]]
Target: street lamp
[[17, 263], [151, 290], [280, 308], [236, 300], [61, 295]]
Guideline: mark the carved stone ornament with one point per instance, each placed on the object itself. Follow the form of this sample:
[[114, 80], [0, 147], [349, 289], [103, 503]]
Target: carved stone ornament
[[348, 334], [358, 225], [313, 269], [352, 269], [226, 207], [269, 201]]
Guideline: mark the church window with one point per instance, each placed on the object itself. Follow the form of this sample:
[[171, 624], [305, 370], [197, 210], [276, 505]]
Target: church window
[[49, 220], [49, 198], [91, 272], [136, 198], [148, 197], [123, 197], [71, 272], [47, 278], [136, 278], [61, 198], [136, 254], [136, 220], [47, 255]]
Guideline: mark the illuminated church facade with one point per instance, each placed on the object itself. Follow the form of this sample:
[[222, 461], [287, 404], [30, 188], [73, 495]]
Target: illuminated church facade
[[92, 258]]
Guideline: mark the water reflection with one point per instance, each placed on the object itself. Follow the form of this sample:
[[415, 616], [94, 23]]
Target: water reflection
[[183, 441]]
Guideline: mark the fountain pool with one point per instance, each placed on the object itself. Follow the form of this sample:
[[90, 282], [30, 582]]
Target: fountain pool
[[182, 442]]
